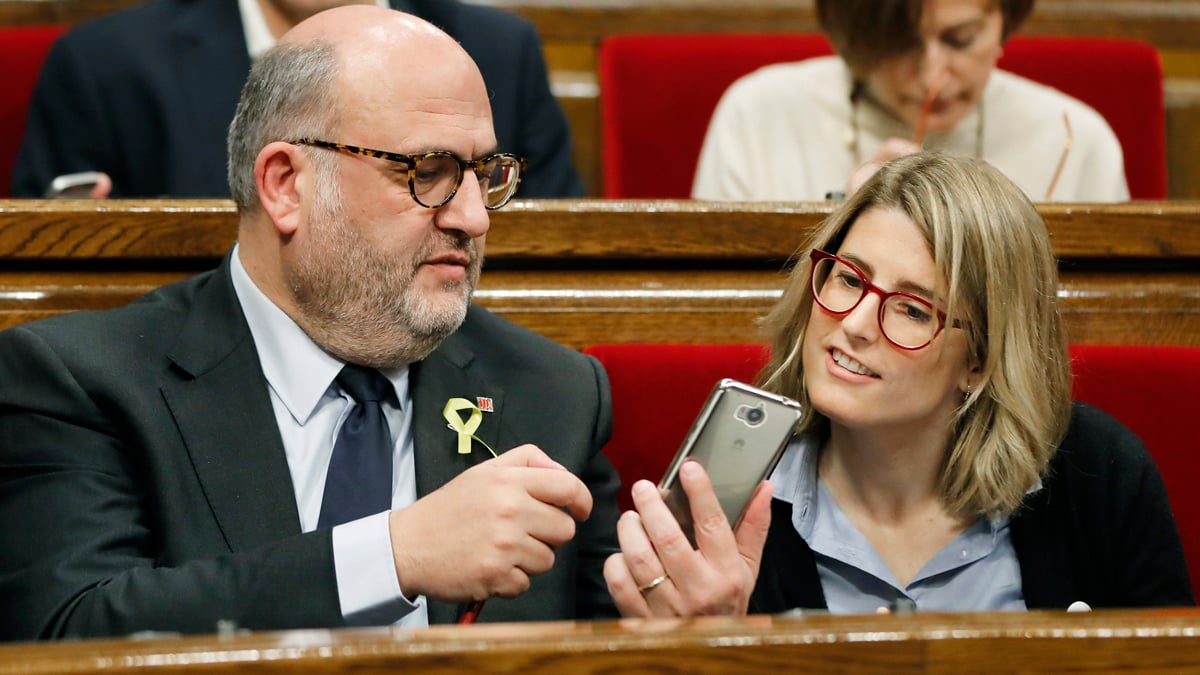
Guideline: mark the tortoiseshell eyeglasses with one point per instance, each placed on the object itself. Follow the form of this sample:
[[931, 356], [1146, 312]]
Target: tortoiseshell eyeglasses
[[434, 177]]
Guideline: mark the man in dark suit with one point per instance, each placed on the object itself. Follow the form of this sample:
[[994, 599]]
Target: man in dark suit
[[145, 95], [164, 465]]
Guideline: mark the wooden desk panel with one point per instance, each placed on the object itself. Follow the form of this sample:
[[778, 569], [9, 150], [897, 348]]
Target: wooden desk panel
[[118, 229], [1169, 24], [1047, 642], [583, 272], [29, 296], [579, 309], [529, 232], [583, 308]]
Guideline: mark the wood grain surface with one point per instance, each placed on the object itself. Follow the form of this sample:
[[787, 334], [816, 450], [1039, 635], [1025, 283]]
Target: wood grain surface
[[588, 271], [1161, 641]]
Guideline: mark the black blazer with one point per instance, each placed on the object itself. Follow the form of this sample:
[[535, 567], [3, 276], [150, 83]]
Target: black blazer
[[147, 94], [144, 486], [1100, 530]]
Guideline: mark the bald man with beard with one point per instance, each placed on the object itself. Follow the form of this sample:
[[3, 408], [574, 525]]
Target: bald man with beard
[[163, 465]]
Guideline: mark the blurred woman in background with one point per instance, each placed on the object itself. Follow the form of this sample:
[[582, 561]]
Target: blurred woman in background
[[910, 74]]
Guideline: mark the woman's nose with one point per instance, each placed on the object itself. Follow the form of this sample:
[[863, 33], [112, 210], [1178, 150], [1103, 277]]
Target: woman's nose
[[863, 321], [934, 65]]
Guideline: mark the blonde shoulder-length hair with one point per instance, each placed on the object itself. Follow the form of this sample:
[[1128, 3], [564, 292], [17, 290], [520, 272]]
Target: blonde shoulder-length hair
[[991, 247]]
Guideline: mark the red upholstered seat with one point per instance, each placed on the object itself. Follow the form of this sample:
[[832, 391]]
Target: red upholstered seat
[[22, 50], [1153, 390], [1122, 79], [657, 389], [657, 93]]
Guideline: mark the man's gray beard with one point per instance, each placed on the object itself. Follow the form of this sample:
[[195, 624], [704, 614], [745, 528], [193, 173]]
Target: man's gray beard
[[361, 306]]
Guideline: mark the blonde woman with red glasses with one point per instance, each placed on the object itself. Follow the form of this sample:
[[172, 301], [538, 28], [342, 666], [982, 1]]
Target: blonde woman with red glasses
[[941, 464]]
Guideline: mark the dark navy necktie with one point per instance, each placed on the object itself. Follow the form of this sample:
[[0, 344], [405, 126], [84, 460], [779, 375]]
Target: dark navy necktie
[[359, 482]]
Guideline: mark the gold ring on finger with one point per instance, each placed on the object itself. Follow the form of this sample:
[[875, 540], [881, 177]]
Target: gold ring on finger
[[654, 583]]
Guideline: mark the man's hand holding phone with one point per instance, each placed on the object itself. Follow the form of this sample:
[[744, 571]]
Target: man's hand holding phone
[[659, 573]]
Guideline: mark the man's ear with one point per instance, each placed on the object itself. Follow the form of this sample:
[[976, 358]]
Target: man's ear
[[278, 171]]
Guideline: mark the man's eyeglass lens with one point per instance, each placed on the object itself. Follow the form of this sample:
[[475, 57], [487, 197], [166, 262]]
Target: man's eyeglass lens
[[437, 176], [434, 177], [907, 321]]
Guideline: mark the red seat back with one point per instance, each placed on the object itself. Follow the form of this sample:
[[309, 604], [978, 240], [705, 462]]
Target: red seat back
[[1122, 79], [658, 92], [1153, 390], [657, 389], [22, 50]]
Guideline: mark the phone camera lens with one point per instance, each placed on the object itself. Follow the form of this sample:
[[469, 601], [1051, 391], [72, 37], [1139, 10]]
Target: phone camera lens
[[752, 415]]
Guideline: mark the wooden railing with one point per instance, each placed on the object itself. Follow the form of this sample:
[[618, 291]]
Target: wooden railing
[[1163, 641], [572, 30], [590, 271], [1168, 24]]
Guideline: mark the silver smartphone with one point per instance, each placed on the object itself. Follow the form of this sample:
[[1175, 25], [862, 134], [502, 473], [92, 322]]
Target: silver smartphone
[[73, 185], [738, 437]]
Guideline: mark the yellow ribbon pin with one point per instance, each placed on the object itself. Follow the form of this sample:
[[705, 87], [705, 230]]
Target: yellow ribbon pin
[[465, 430]]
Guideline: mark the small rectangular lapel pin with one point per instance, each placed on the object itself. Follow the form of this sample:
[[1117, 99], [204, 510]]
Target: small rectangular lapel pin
[[485, 404]]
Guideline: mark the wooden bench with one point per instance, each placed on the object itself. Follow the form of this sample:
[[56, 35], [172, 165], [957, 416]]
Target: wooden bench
[[1161, 641], [590, 271], [572, 29]]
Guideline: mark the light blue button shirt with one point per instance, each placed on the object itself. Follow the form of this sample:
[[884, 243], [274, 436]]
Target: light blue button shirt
[[309, 409], [977, 571]]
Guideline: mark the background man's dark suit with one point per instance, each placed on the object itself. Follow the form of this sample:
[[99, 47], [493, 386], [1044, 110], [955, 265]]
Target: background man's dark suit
[[147, 94], [143, 481]]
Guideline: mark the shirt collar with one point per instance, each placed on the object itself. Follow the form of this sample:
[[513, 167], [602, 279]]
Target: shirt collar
[[795, 480], [297, 369], [258, 37], [254, 24]]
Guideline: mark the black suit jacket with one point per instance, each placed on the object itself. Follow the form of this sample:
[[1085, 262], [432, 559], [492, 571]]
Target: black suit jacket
[[144, 486], [147, 94], [1100, 530]]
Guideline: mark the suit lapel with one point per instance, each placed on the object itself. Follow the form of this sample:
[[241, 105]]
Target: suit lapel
[[209, 54], [224, 415], [449, 373]]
